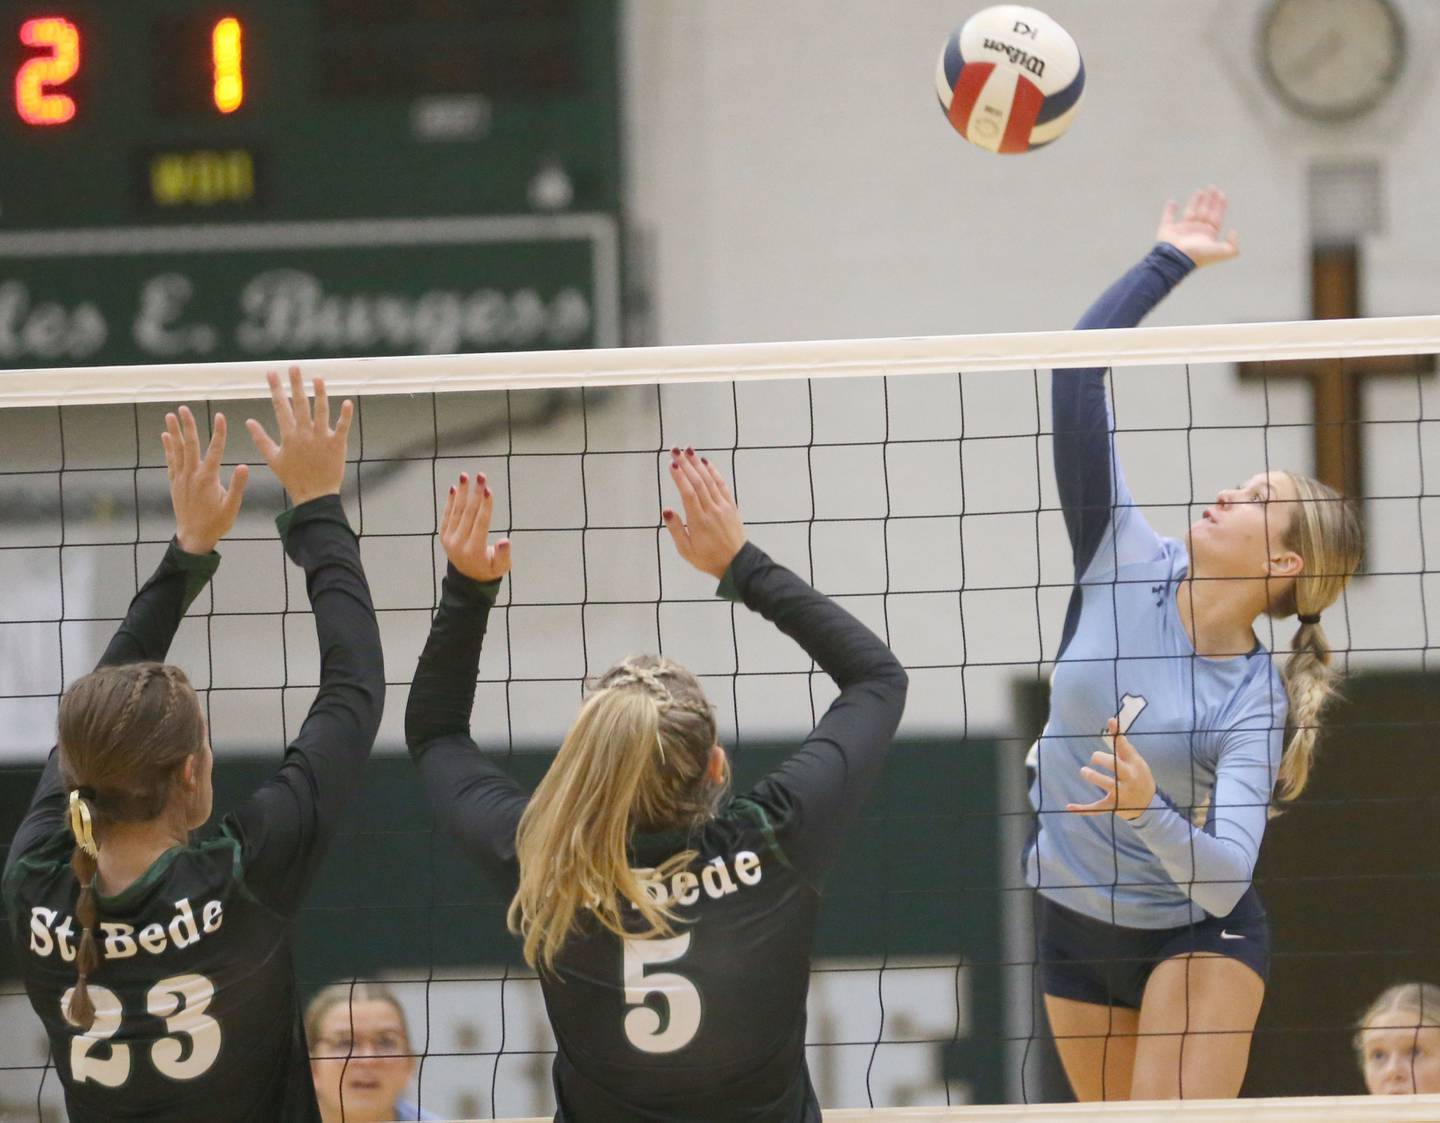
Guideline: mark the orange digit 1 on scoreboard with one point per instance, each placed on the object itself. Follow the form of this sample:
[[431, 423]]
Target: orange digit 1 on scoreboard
[[228, 61], [35, 100]]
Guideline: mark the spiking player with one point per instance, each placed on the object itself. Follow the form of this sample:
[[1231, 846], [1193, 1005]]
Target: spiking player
[[161, 965], [671, 926], [1153, 946]]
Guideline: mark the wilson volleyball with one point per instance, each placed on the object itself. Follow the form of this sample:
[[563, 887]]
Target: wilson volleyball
[[1010, 79]]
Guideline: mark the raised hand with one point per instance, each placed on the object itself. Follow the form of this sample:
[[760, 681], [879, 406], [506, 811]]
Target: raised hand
[[465, 531], [205, 510], [711, 533], [309, 461], [1129, 785], [1195, 232]]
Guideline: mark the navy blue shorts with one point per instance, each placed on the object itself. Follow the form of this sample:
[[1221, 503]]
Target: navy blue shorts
[[1091, 960]]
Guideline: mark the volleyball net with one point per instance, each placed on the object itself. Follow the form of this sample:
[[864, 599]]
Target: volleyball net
[[910, 479]]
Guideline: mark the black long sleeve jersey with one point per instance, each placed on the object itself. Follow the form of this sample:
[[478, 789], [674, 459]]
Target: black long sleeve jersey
[[197, 1015], [708, 1024]]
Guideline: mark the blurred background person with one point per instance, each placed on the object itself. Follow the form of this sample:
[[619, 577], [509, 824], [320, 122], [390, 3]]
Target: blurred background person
[[360, 1054], [1397, 1041]]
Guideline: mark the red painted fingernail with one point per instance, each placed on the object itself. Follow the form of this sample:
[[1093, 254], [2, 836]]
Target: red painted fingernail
[[689, 451], [452, 489], [675, 450], [674, 465], [488, 493], [704, 461], [464, 478]]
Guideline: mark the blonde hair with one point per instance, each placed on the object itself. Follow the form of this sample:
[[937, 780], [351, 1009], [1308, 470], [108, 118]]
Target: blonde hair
[[1420, 999], [1325, 531], [336, 994], [635, 760]]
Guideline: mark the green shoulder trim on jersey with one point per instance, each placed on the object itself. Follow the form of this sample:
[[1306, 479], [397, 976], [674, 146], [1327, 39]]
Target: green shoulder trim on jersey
[[228, 837], [141, 885], [753, 811]]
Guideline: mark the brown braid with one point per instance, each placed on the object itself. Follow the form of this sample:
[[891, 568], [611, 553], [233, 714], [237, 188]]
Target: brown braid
[[81, 1011]]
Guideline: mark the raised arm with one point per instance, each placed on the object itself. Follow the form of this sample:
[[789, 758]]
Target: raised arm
[[474, 801], [285, 827], [205, 511], [1093, 493], [816, 794]]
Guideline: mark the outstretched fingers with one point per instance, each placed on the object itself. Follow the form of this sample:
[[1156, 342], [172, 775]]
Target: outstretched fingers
[[299, 402], [322, 404], [219, 431], [448, 516], [704, 482], [684, 483], [474, 496], [342, 426], [174, 445], [284, 415], [235, 493], [679, 532], [484, 509], [263, 444]]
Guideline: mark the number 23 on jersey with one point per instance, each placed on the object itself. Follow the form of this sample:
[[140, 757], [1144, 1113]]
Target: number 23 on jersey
[[180, 1000]]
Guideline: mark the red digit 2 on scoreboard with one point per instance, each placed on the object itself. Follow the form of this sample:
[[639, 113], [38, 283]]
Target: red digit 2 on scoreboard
[[37, 99]]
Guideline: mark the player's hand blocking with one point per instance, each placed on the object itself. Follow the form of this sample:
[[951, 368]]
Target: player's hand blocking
[[205, 510], [1129, 785], [1195, 232], [711, 533], [309, 461], [465, 531]]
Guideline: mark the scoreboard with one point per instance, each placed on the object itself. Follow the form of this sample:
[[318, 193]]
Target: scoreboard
[[181, 179]]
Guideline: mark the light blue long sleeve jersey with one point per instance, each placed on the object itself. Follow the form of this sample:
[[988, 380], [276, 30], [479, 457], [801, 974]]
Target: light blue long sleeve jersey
[[1207, 727]]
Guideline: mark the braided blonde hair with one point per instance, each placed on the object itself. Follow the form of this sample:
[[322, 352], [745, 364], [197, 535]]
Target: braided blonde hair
[[636, 760], [1325, 531]]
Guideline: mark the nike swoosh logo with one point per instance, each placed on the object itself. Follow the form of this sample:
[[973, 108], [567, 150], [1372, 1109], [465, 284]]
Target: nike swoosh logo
[[1224, 935]]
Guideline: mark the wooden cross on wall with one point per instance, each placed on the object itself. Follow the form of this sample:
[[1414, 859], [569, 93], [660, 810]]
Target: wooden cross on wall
[[1337, 385]]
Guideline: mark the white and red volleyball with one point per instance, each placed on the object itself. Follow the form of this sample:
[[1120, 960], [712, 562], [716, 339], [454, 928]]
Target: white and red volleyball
[[1010, 79]]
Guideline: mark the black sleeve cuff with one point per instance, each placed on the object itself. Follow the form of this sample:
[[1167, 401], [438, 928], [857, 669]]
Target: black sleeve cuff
[[737, 575], [467, 590], [325, 509], [197, 568]]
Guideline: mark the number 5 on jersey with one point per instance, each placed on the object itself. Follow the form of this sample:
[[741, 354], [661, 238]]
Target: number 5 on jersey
[[181, 1000], [644, 1026]]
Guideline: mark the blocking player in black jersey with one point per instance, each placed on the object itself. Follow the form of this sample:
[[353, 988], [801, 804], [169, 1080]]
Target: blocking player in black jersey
[[671, 926], [161, 963]]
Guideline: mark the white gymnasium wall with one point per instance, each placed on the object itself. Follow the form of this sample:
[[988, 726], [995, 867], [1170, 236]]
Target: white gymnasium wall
[[800, 180]]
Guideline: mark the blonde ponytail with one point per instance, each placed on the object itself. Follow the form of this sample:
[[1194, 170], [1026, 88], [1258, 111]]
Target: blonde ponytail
[[635, 759], [1325, 531], [1310, 683]]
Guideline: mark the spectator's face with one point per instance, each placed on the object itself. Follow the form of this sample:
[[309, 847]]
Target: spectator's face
[[1398, 1058], [359, 1061]]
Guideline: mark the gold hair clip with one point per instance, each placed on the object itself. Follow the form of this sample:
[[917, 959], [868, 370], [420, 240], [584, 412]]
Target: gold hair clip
[[82, 826]]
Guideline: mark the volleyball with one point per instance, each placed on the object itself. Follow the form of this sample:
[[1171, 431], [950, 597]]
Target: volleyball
[[1010, 79]]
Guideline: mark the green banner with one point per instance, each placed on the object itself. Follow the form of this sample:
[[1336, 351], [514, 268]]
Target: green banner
[[307, 290]]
